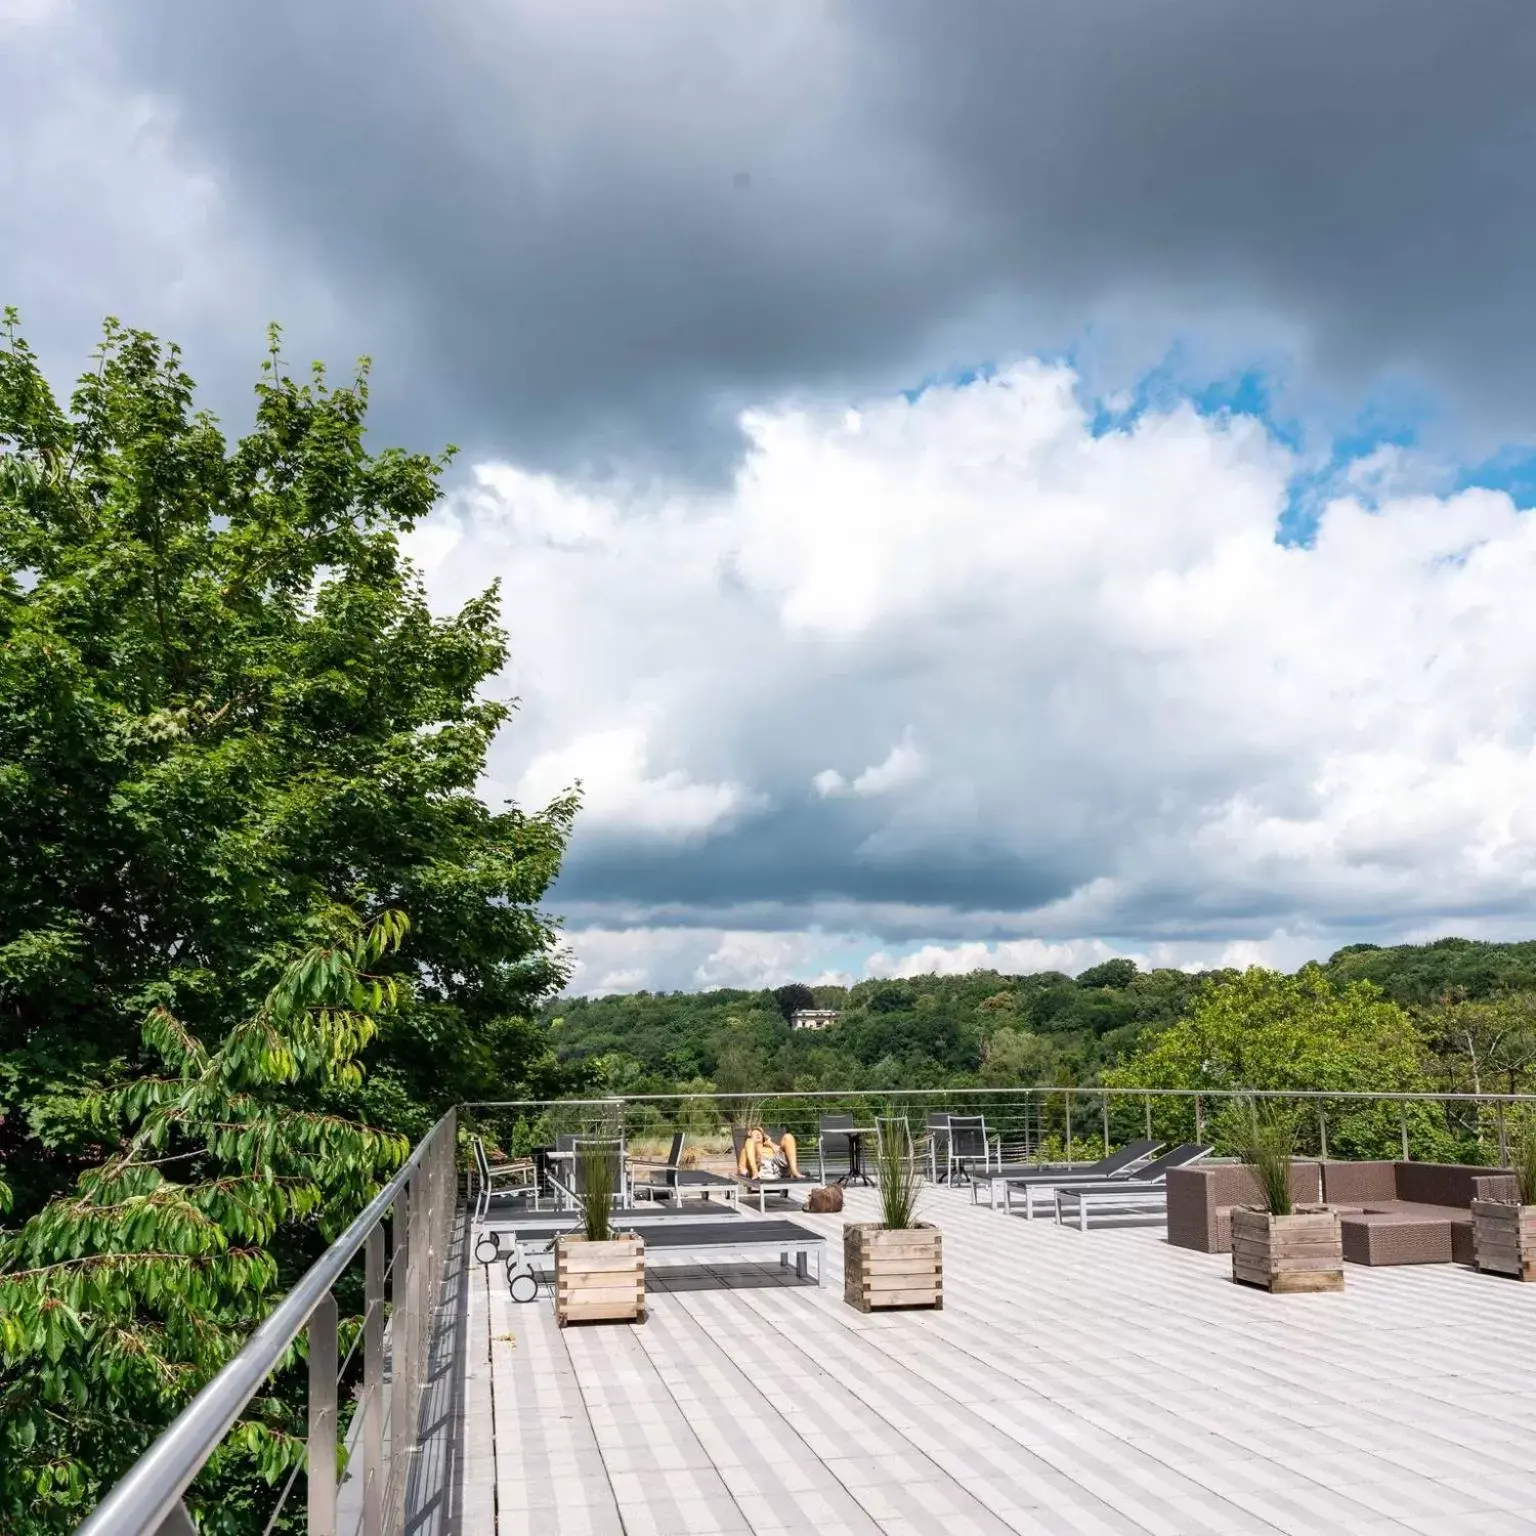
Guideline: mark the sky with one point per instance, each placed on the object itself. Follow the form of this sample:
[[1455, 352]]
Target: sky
[[983, 484]]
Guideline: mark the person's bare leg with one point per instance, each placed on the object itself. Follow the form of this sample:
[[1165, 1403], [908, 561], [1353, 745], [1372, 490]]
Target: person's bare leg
[[787, 1149], [747, 1165]]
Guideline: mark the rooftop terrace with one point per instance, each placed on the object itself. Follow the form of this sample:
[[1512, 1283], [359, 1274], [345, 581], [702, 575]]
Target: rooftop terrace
[[1074, 1383]]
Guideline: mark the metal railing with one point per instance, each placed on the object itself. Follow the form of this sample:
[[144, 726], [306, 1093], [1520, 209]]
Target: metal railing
[[419, 1203], [1062, 1123]]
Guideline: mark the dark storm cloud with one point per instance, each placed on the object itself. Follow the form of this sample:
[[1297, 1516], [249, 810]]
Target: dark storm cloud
[[802, 856], [588, 232]]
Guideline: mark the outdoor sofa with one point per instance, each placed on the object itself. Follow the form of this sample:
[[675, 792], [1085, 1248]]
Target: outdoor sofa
[[1410, 1213], [1200, 1201]]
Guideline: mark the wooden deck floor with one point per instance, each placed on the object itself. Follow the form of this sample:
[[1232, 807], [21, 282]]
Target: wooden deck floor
[[1074, 1384]]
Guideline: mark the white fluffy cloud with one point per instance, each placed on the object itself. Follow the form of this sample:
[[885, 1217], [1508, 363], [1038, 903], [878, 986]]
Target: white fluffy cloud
[[902, 765], [620, 795], [627, 959], [1175, 736]]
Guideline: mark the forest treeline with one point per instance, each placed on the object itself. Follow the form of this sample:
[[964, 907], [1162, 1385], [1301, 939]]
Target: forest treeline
[[1461, 1013]]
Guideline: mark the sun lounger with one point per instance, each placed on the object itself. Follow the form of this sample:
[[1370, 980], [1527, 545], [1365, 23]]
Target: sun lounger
[[1151, 1174], [681, 1184], [1121, 1162], [1114, 1198], [767, 1185]]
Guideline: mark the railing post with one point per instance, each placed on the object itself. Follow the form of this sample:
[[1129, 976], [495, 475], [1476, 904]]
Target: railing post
[[1146, 1100], [400, 1357], [1069, 1127], [1503, 1138], [322, 1418], [1403, 1120], [1199, 1120], [373, 1384], [1104, 1100], [1322, 1132]]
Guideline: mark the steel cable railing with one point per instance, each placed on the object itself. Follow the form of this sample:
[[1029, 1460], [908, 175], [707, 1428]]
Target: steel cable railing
[[419, 1203], [1057, 1124]]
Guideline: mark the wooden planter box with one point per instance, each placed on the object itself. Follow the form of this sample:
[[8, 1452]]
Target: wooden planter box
[[600, 1282], [883, 1267], [1299, 1252], [1504, 1237]]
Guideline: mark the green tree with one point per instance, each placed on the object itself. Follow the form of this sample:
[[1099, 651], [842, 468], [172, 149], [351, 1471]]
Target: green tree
[[1014, 1057], [1266, 1030], [121, 1299], [225, 705], [1485, 1046], [792, 996]]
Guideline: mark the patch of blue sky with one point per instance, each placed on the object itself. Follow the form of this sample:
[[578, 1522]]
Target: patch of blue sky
[[1255, 391], [841, 955], [1511, 469], [1331, 448], [952, 378]]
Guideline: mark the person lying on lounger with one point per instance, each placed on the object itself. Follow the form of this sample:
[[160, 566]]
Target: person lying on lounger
[[764, 1158]]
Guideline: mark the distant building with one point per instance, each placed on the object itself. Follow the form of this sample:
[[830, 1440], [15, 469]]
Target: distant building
[[812, 1018]]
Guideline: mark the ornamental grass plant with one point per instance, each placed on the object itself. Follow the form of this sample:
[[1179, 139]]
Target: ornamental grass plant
[[599, 1176], [898, 1173], [1266, 1140], [1523, 1161]]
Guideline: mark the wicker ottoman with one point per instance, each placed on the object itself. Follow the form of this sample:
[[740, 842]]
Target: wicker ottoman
[[1380, 1238]]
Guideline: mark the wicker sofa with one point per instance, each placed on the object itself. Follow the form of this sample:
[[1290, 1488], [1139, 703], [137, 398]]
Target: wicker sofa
[[1200, 1201], [1410, 1213]]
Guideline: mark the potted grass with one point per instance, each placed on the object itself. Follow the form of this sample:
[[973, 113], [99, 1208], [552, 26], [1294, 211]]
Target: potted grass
[[1277, 1244], [1504, 1231], [897, 1261], [599, 1273]]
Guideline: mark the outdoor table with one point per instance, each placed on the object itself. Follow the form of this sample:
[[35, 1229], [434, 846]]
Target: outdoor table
[[856, 1135]]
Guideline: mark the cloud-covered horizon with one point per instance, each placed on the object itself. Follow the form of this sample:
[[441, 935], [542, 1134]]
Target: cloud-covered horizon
[[964, 673], [1187, 620]]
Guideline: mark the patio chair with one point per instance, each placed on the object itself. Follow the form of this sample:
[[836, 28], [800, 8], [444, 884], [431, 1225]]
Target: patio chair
[[517, 1175], [833, 1143], [897, 1126], [612, 1153], [938, 1146], [668, 1171], [970, 1148]]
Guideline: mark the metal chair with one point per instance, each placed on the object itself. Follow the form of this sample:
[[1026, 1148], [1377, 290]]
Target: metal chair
[[833, 1141], [938, 1145], [518, 1174], [669, 1169], [897, 1128], [970, 1146], [610, 1154]]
